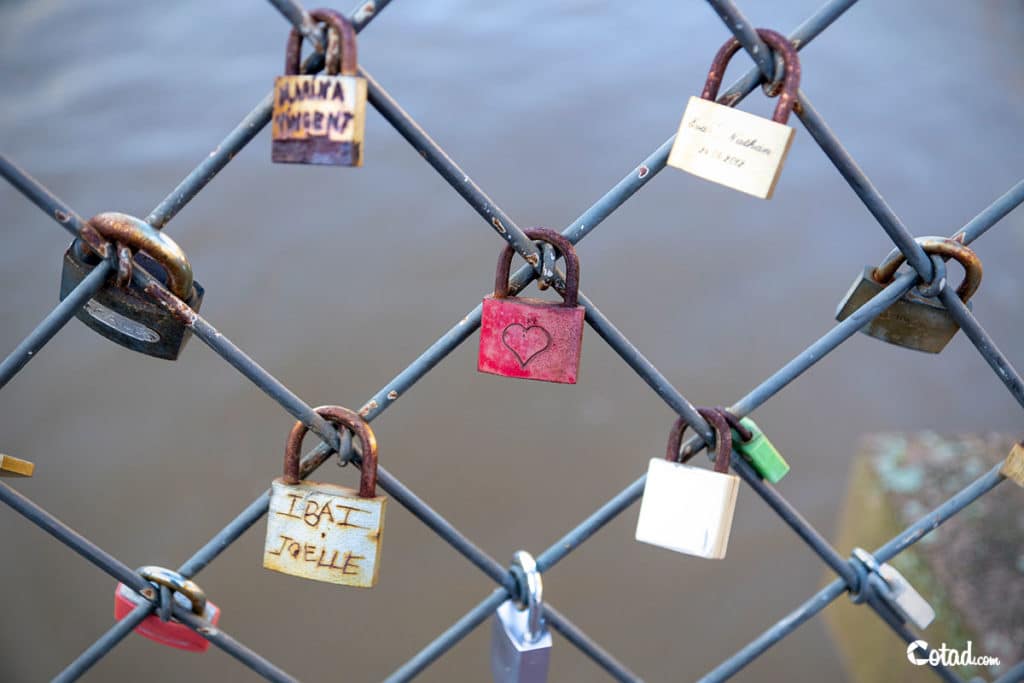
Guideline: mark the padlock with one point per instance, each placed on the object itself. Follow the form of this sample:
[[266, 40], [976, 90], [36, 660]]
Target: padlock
[[754, 446], [690, 509], [1013, 466], [533, 338], [185, 593], [913, 321], [125, 314], [15, 467], [319, 119], [520, 641], [898, 594], [731, 147], [327, 532]]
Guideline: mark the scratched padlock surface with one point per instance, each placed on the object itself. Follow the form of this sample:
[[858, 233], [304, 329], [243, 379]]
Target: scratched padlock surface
[[324, 532], [531, 339]]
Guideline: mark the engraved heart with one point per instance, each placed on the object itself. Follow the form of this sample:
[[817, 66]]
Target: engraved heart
[[525, 342]]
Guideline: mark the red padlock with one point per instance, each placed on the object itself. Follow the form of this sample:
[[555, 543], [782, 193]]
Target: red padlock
[[533, 338], [172, 633]]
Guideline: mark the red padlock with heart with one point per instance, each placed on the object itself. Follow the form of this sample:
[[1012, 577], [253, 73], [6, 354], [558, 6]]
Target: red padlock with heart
[[533, 338], [183, 591]]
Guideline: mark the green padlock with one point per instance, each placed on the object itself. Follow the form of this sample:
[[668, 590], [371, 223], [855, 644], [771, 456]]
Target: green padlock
[[755, 447]]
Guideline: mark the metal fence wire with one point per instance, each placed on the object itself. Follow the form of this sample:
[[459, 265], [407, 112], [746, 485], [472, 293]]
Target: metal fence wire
[[852, 574]]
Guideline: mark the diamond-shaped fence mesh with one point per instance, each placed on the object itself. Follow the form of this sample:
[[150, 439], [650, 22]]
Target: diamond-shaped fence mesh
[[853, 576]]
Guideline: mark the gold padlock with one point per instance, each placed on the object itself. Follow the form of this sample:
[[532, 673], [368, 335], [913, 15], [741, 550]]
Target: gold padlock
[[320, 119], [327, 532], [731, 147], [15, 467], [1013, 466]]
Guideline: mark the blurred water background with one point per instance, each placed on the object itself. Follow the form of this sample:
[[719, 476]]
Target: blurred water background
[[335, 279]]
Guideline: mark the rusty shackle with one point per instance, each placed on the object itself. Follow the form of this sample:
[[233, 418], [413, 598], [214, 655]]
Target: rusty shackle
[[790, 82], [341, 53], [138, 235], [723, 439], [339, 417], [940, 246], [734, 423], [562, 246]]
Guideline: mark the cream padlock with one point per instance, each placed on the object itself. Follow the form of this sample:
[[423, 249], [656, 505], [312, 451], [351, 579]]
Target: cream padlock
[[689, 509], [732, 147], [327, 532]]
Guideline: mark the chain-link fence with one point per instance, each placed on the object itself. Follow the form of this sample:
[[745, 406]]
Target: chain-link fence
[[857, 576]]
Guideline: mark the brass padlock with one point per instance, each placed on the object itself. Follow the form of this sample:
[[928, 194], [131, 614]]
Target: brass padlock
[[914, 321], [122, 312], [327, 532], [731, 147], [1013, 466], [319, 119], [15, 467]]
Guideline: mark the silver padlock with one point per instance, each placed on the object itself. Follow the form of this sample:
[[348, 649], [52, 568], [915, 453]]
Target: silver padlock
[[901, 596], [689, 509], [520, 641]]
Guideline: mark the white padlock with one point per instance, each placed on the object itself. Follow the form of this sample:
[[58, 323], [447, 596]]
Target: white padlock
[[732, 147], [690, 509], [902, 597]]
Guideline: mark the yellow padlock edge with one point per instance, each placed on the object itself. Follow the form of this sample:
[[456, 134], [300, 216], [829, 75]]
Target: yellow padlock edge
[[15, 467], [1013, 466]]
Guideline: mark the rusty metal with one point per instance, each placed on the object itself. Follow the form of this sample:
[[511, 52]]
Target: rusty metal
[[340, 417], [790, 83], [177, 583], [124, 265], [139, 236], [127, 314], [723, 439], [320, 119], [341, 57], [915, 321], [564, 247], [939, 246], [532, 338], [734, 422]]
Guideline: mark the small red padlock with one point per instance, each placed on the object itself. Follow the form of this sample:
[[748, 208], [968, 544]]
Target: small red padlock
[[532, 338], [170, 633]]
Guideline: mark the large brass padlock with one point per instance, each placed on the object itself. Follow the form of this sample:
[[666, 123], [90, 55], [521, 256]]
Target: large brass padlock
[[914, 321], [327, 532], [533, 338], [319, 119], [125, 314], [731, 147]]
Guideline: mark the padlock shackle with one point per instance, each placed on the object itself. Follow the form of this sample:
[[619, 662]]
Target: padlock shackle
[[339, 417], [177, 583], [790, 82], [524, 565], [341, 53], [723, 439], [940, 246], [734, 422], [564, 248], [138, 235]]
